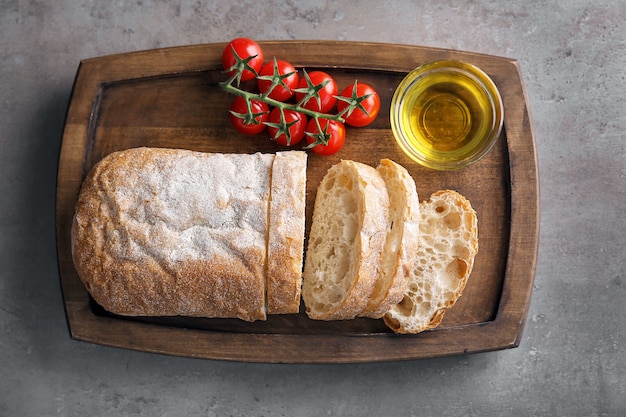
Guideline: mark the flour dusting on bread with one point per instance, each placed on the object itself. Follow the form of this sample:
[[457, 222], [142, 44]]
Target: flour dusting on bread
[[286, 233], [175, 232]]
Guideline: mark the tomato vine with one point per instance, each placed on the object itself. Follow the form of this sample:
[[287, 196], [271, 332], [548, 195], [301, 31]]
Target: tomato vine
[[306, 92]]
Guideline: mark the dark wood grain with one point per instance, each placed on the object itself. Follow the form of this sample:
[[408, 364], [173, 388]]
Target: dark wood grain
[[170, 98]]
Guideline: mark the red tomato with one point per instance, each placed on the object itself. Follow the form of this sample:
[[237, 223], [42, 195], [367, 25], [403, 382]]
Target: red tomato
[[243, 121], [367, 103], [294, 122], [250, 57], [281, 77], [327, 90], [327, 138]]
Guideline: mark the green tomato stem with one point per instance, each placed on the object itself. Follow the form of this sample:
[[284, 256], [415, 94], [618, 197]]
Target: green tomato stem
[[229, 88]]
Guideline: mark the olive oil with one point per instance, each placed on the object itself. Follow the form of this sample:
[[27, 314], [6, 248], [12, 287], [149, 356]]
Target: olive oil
[[446, 115]]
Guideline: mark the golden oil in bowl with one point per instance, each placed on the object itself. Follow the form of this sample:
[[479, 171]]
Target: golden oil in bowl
[[446, 114]]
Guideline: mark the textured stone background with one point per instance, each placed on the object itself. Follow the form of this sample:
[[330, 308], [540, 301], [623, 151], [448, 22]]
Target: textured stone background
[[571, 360]]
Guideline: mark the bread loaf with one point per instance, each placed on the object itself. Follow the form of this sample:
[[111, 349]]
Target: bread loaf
[[401, 241], [346, 240], [163, 232], [448, 243]]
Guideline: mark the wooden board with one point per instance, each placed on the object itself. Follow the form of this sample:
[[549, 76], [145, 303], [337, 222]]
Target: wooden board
[[170, 98]]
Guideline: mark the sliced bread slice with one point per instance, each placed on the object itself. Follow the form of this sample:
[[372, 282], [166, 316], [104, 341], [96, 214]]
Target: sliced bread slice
[[346, 241], [448, 243], [402, 239], [285, 246]]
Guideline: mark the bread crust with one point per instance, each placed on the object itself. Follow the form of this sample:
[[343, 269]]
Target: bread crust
[[401, 241], [163, 232], [286, 232], [359, 277], [448, 244]]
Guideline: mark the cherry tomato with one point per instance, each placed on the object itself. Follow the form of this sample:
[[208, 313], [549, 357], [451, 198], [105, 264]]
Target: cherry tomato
[[246, 49], [241, 119], [286, 80], [326, 93], [333, 136], [367, 103], [294, 121]]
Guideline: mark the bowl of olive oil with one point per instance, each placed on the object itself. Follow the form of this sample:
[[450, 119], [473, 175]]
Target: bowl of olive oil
[[446, 115]]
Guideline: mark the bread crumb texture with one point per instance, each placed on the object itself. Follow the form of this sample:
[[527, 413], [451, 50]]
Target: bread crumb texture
[[345, 242], [448, 243], [333, 243]]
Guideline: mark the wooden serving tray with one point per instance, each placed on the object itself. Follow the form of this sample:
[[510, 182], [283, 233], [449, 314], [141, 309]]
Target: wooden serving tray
[[170, 98]]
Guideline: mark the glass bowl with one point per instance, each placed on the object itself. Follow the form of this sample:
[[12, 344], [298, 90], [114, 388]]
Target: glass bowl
[[446, 115]]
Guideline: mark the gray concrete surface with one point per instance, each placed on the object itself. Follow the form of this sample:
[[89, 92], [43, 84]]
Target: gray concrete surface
[[571, 361]]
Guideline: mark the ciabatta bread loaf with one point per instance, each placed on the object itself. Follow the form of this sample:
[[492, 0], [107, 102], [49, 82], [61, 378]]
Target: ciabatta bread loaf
[[448, 243], [346, 240], [163, 232], [401, 242]]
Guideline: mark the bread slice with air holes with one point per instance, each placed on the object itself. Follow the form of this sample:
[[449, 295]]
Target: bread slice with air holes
[[442, 264], [401, 242], [346, 241]]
